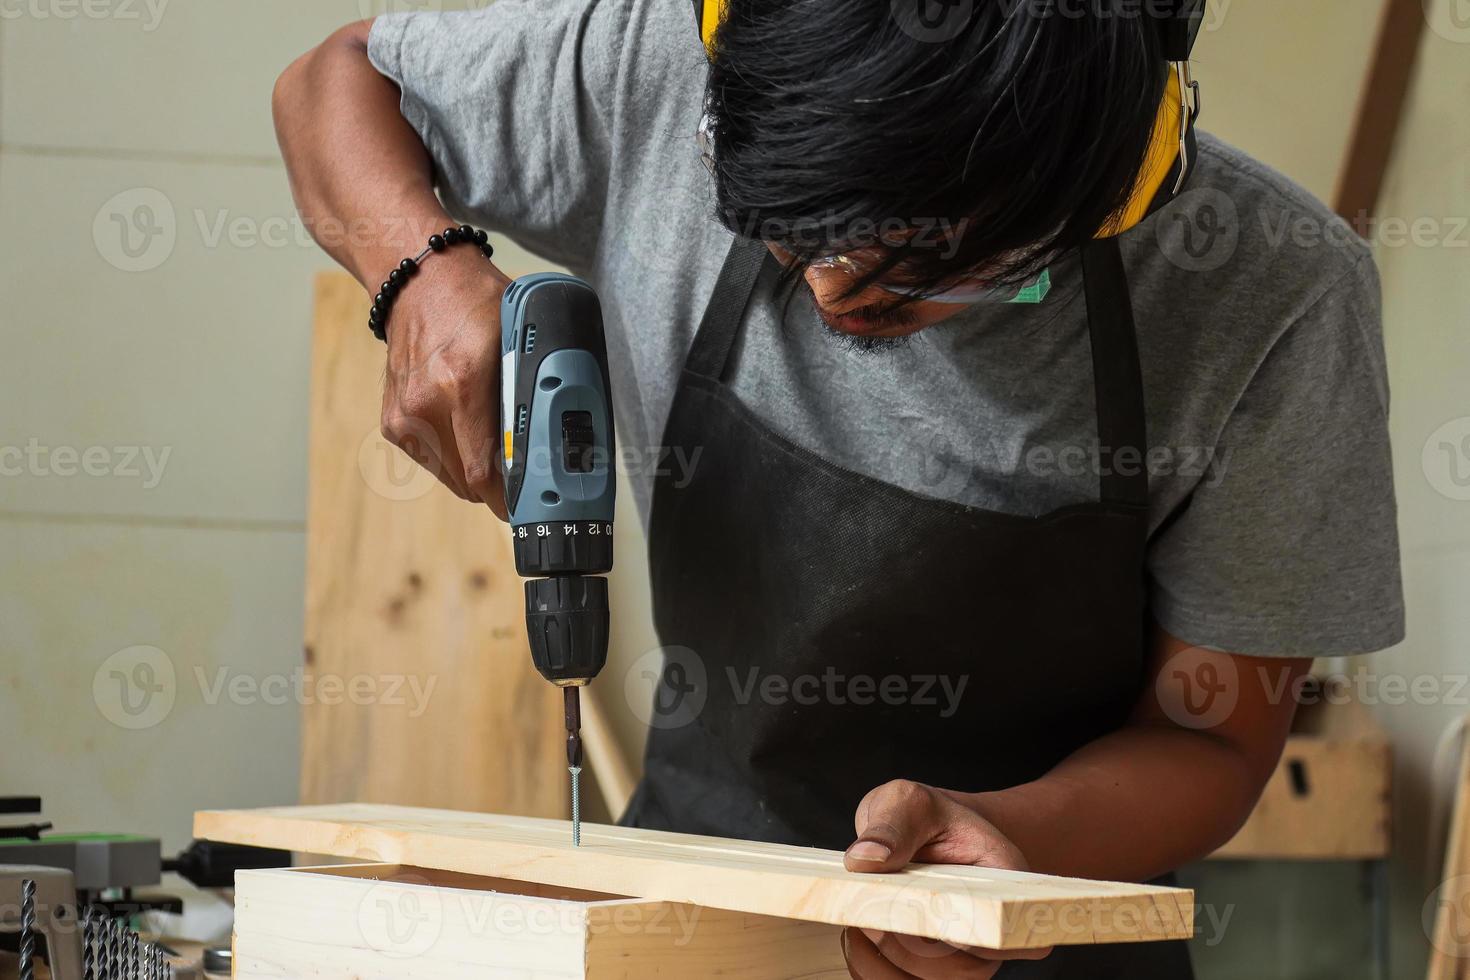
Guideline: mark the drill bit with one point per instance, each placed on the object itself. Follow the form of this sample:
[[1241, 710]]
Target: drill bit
[[91, 924], [27, 928], [573, 701]]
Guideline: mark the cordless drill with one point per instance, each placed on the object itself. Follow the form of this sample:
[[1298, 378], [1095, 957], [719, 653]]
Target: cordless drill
[[560, 486]]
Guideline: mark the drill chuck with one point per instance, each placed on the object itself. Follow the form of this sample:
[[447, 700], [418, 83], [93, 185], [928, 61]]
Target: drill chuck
[[567, 621]]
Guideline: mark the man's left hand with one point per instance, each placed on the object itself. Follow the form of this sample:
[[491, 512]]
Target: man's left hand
[[903, 822]]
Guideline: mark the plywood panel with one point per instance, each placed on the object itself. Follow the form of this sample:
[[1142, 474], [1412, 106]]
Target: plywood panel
[[407, 584], [974, 906]]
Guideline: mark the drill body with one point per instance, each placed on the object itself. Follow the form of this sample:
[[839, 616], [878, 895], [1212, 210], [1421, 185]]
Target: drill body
[[560, 482]]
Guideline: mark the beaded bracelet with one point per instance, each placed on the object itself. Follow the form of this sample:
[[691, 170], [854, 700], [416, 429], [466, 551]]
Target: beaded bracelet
[[408, 268]]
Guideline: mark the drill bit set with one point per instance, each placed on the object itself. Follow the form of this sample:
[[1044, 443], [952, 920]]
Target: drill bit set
[[112, 951], [109, 949]]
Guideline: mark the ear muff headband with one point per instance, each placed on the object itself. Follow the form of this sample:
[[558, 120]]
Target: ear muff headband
[[1168, 161]]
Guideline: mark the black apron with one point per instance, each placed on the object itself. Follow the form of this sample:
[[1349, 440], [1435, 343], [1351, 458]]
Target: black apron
[[820, 621]]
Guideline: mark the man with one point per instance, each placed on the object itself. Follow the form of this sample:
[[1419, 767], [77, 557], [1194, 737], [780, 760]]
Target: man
[[993, 568]]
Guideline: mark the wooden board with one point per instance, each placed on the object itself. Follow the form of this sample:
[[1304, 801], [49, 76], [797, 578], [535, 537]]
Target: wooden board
[[1449, 954], [974, 906], [411, 596], [1380, 111], [361, 921]]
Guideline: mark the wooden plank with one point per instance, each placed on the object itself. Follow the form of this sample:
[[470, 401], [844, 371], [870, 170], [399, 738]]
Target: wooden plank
[[1449, 955], [412, 596], [391, 921], [974, 906], [1380, 110]]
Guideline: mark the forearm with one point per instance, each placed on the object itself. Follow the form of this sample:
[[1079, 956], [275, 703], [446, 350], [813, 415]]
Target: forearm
[[360, 175], [1130, 806]]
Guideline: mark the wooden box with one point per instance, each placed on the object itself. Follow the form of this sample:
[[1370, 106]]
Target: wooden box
[[1329, 798], [377, 921]]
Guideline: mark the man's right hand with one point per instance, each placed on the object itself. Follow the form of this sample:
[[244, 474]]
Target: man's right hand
[[441, 397], [441, 401]]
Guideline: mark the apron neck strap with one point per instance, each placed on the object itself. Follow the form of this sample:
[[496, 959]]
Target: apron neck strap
[[1117, 378], [710, 355]]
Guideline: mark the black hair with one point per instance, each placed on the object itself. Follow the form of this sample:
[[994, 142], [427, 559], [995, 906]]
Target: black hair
[[1026, 126]]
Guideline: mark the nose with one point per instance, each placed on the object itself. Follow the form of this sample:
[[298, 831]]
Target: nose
[[831, 285]]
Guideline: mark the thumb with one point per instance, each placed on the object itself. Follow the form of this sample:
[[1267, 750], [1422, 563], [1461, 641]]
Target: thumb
[[893, 823]]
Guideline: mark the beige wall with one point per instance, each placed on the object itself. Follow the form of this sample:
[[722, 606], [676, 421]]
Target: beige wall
[[196, 346]]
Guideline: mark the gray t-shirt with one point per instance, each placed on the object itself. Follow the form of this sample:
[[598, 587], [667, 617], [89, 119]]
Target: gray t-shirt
[[568, 125]]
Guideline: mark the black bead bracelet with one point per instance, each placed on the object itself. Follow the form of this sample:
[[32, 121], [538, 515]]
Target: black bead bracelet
[[408, 268]]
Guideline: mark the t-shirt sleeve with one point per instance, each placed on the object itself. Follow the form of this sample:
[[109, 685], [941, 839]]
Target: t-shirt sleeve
[[1290, 545], [514, 103]]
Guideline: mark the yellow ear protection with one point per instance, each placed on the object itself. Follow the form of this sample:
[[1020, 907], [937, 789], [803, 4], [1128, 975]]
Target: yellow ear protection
[[1171, 151]]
